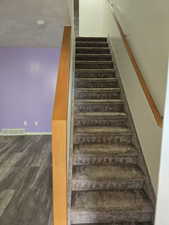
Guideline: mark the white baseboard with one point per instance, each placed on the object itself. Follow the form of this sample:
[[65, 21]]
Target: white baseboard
[[39, 133], [27, 134]]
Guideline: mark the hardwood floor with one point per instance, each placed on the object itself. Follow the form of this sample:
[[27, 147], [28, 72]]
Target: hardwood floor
[[25, 180]]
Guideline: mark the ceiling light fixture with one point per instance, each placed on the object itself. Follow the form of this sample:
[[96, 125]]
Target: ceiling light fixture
[[40, 22]]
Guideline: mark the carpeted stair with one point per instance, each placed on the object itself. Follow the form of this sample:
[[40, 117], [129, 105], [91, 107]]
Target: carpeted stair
[[107, 183]]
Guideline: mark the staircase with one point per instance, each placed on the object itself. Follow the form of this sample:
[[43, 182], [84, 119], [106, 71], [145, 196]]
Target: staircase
[[107, 183]]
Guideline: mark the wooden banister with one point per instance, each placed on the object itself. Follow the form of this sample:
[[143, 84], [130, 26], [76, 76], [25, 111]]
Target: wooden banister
[[154, 109], [59, 133]]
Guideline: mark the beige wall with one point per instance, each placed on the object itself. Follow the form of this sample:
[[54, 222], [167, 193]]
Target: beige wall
[[91, 20], [145, 23]]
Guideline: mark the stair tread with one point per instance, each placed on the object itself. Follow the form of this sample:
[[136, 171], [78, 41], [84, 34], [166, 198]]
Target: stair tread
[[84, 130], [99, 101], [98, 89], [94, 74], [102, 48], [91, 41], [94, 54], [93, 57], [98, 149], [105, 173], [95, 70], [94, 61], [92, 50], [98, 79], [113, 201], [104, 39], [102, 114], [94, 64]]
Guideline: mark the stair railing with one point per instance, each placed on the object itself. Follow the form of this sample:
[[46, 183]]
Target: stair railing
[[151, 102], [59, 133]]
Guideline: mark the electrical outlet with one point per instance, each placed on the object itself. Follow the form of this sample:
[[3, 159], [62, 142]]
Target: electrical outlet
[[25, 123]]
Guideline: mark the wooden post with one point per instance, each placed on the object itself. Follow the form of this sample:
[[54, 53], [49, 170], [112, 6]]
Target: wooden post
[[59, 134]]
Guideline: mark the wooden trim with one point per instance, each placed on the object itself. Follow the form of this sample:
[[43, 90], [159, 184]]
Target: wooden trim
[[59, 134], [154, 109], [62, 90]]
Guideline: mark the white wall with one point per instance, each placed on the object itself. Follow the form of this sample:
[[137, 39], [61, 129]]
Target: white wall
[[163, 196], [148, 131], [145, 23], [70, 7], [91, 20]]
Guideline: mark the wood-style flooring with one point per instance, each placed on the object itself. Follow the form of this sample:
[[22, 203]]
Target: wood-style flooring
[[25, 180]]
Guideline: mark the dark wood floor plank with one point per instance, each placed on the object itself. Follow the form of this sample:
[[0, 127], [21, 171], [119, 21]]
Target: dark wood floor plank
[[25, 180]]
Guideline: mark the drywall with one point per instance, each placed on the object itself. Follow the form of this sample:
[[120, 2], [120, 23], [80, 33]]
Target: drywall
[[146, 26], [148, 131], [90, 17], [152, 55], [146, 31], [146, 23], [162, 207], [93, 18], [27, 87]]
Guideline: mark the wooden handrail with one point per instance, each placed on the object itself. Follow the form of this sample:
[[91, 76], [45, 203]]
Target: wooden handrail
[[154, 109], [59, 133]]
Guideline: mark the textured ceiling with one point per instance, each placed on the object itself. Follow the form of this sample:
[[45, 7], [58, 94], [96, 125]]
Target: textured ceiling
[[18, 27]]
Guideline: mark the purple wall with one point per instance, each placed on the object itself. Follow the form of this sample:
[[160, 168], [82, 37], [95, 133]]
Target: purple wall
[[27, 87]]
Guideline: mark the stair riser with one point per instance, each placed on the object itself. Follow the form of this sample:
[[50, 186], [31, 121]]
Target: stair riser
[[97, 94], [109, 217], [92, 51], [106, 73], [94, 121], [84, 160], [96, 84], [96, 107], [96, 65], [95, 75], [81, 185], [91, 44], [92, 39], [94, 58], [102, 138]]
